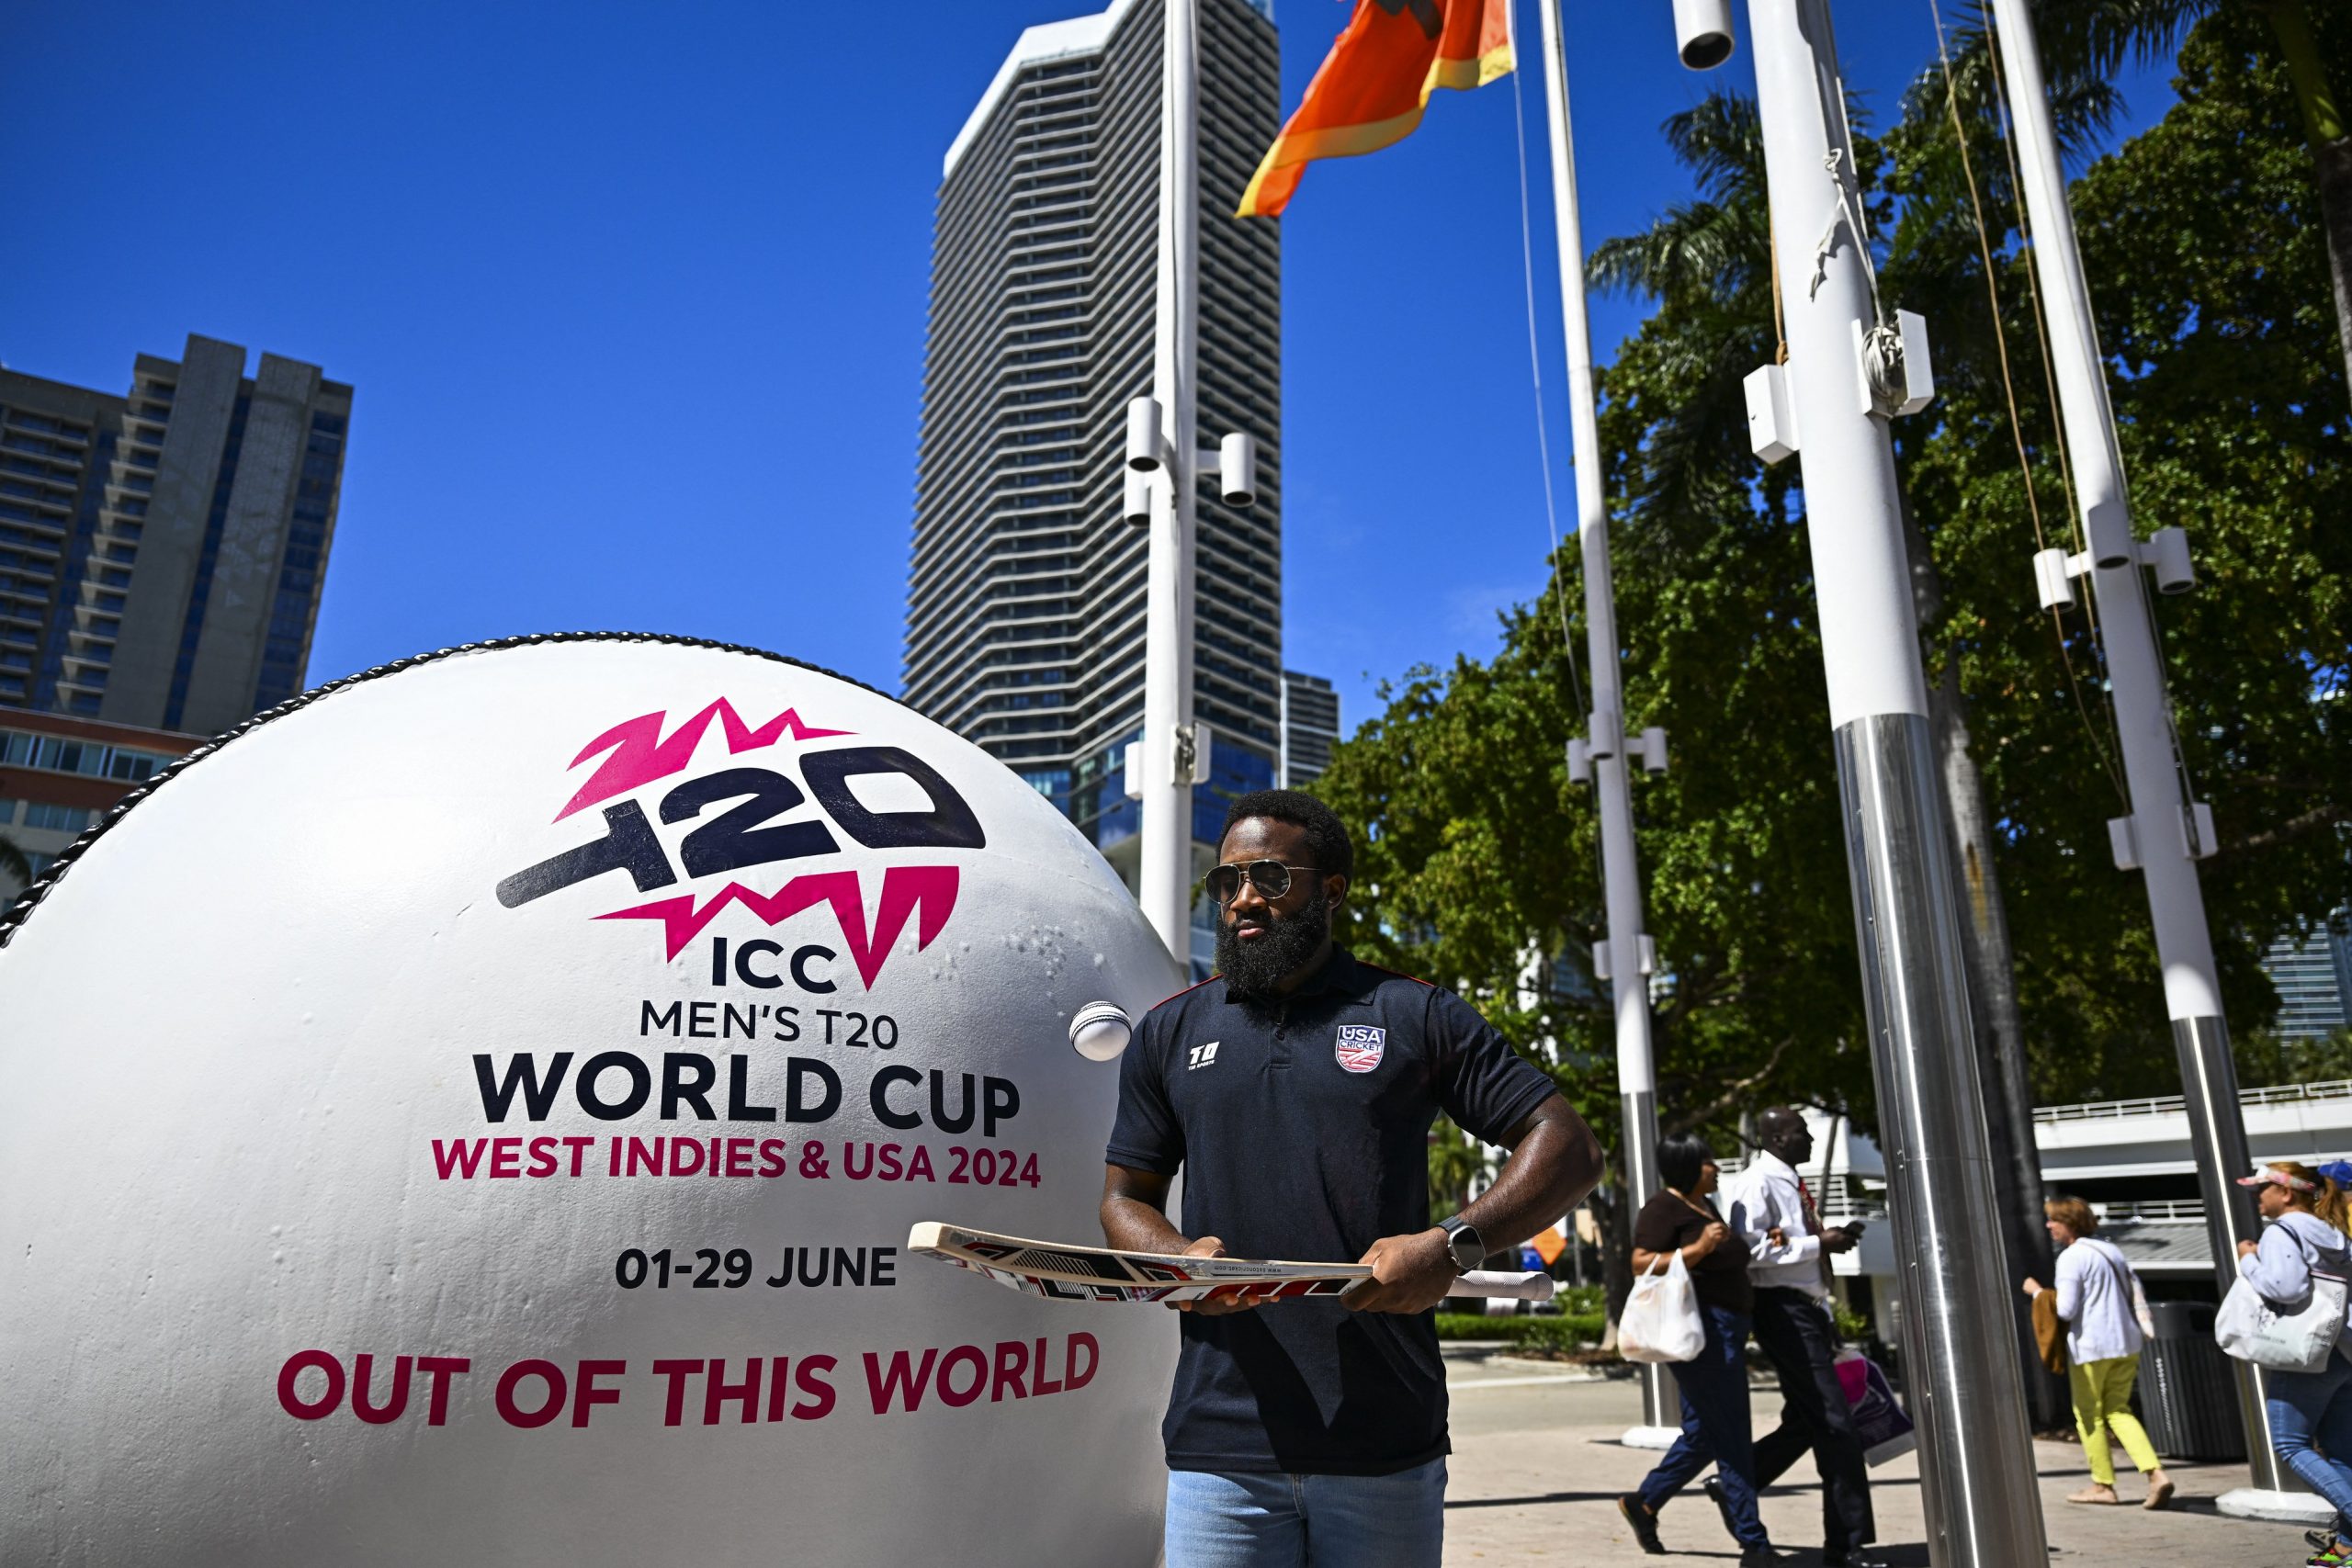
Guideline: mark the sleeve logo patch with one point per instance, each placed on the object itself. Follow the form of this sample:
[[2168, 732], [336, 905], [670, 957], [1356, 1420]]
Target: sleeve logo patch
[[1359, 1046]]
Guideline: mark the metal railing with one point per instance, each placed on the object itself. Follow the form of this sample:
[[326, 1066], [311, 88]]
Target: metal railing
[[2151, 1209], [2165, 1104]]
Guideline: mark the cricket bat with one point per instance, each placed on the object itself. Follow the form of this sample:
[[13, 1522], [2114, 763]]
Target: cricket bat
[[1103, 1274]]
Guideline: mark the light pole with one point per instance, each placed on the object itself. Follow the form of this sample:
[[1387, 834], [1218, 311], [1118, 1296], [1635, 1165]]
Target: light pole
[[1850, 365], [1600, 756], [1163, 464], [2168, 830]]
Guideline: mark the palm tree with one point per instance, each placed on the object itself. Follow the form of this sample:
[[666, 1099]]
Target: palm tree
[[2094, 36]]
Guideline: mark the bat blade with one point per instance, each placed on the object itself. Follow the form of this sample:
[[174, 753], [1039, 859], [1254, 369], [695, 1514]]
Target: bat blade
[[1056, 1271]]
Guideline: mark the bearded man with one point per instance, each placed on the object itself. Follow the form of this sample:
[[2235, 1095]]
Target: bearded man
[[1294, 1092]]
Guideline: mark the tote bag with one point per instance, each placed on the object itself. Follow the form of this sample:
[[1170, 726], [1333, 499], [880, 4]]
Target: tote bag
[[2300, 1342], [1880, 1423], [1660, 1322]]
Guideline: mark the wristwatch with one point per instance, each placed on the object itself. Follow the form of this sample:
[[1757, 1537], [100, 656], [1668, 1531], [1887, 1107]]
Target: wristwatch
[[1462, 1240]]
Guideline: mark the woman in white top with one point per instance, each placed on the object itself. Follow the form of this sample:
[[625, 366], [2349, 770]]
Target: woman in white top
[[2311, 1413], [2098, 1297]]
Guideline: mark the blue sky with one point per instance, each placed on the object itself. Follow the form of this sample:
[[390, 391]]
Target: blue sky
[[633, 295]]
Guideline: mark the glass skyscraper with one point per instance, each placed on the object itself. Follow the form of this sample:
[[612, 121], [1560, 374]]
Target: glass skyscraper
[[2314, 977], [1025, 596]]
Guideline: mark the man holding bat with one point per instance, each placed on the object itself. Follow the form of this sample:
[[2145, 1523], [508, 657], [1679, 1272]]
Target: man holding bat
[[1294, 1092]]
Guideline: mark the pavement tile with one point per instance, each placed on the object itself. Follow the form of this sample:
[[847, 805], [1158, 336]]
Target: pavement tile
[[1537, 1467]]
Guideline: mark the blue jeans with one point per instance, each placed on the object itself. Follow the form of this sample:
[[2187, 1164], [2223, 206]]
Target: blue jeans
[[2311, 1420], [1715, 1427], [1267, 1519]]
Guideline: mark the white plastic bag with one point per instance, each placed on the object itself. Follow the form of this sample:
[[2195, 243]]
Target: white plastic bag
[[1660, 1322], [2251, 1329]]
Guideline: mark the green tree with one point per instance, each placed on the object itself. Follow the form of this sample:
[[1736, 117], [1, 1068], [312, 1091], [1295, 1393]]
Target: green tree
[[2096, 36], [2210, 279]]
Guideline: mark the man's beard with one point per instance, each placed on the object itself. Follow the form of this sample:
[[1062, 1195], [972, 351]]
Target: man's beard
[[1253, 968]]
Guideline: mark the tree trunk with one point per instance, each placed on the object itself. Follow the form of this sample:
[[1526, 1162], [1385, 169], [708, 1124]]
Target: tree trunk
[[1992, 993], [2333, 161], [2330, 137], [2000, 1035], [1616, 1230]]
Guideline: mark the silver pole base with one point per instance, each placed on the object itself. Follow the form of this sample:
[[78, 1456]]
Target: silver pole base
[[1966, 1390], [2209, 1085], [1661, 1403], [1659, 1437], [2278, 1508]]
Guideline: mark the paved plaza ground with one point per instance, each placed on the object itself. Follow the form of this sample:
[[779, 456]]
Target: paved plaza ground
[[1537, 1466]]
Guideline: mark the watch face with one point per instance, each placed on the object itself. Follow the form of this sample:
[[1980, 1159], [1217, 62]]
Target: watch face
[[1469, 1251]]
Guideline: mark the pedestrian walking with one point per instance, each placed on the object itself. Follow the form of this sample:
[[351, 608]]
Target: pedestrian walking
[[2311, 1413], [1773, 1211], [2097, 1296], [1294, 1092], [1715, 1424]]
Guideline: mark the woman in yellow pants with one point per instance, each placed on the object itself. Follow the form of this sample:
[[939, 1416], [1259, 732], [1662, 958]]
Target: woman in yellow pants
[[2097, 1297]]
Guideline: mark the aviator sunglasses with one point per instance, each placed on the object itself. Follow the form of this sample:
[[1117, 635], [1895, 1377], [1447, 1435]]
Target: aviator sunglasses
[[1269, 877]]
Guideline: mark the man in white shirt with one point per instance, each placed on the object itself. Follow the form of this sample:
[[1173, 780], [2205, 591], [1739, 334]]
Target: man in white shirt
[[1789, 1250]]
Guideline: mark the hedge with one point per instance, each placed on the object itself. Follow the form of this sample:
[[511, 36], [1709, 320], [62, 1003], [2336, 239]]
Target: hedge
[[1562, 1331]]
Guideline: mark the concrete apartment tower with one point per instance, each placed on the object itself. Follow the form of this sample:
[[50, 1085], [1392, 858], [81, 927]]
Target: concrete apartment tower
[[1025, 600], [162, 553]]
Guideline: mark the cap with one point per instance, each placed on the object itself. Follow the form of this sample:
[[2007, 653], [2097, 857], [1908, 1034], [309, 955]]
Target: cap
[[2271, 1173]]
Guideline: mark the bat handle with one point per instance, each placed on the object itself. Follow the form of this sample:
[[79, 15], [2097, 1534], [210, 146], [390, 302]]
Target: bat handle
[[1496, 1282]]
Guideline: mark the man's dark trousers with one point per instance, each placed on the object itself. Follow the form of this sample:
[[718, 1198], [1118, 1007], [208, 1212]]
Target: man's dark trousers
[[1797, 1335]]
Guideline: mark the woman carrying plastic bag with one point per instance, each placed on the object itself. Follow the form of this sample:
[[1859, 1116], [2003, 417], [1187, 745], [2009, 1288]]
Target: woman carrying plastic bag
[[1690, 1308], [2289, 1298]]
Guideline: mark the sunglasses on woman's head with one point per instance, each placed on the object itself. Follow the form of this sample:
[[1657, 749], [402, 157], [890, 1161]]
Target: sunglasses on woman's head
[[1269, 877]]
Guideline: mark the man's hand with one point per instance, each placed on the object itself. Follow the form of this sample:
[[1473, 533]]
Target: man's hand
[[1209, 1246], [1410, 1273], [1843, 1239]]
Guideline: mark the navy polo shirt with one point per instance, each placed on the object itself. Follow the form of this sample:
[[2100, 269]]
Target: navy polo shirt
[[1301, 1131]]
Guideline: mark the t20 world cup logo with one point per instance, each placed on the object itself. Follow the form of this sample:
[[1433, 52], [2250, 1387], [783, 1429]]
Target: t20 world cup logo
[[753, 819]]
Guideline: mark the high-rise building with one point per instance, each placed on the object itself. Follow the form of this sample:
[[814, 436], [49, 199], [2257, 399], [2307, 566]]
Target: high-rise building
[[162, 552], [1310, 729], [2313, 978], [1025, 598]]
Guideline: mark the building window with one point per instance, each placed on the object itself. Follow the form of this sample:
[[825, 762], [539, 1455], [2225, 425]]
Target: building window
[[56, 818]]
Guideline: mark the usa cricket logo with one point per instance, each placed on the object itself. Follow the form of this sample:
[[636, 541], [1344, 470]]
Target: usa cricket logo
[[1359, 1046], [794, 806]]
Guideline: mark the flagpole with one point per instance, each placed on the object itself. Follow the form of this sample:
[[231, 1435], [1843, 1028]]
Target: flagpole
[[1628, 966], [1165, 874], [2164, 835], [1851, 364]]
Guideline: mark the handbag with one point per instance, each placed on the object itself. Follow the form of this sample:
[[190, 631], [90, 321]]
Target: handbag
[[2252, 1329], [1661, 1322], [2050, 1331], [1884, 1429]]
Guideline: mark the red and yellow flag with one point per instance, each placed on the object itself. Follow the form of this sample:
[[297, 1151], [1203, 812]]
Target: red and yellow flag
[[1375, 84]]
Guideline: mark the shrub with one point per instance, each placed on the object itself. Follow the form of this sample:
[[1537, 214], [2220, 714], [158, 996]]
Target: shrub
[[1562, 1331]]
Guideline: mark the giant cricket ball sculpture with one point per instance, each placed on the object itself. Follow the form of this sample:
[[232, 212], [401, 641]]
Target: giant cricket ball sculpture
[[474, 1114]]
